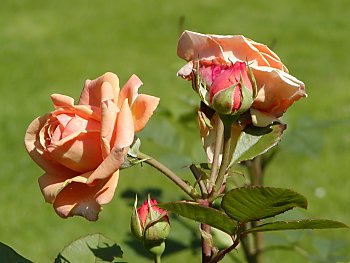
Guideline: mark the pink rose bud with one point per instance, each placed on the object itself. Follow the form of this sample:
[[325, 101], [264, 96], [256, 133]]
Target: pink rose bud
[[151, 225], [231, 90], [149, 222]]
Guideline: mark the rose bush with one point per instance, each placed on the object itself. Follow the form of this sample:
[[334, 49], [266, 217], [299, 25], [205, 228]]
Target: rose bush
[[209, 56], [81, 147]]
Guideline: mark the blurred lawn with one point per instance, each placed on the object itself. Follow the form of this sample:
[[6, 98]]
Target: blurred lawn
[[53, 46]]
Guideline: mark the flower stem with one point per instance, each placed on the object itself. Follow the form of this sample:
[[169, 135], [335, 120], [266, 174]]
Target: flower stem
[[157, 259], [200, 181], [168, 173], [217, 149], [224, 163], [206, 246]]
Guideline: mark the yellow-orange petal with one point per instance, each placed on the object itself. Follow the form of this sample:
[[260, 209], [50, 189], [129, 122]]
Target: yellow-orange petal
[[36, 149], [239, 48], [277, 90], [109, 165], [124, 127], [129, 90], [82, 200], [109, 113], [80, 152], [142, 110], [261, 119], [103, 88], [124, 132], [106, 193], [193, 45], [51, 184], [59, 100]]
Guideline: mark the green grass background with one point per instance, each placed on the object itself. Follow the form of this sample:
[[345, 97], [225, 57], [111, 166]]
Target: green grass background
[[53, 46]]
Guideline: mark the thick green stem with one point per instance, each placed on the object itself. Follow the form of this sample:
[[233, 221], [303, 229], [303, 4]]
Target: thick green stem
[[168, 173], [224, 162], [217, 150], [157, 259]]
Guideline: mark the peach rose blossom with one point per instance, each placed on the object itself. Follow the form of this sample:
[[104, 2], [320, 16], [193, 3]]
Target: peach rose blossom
[[276, 89], [81, 147]]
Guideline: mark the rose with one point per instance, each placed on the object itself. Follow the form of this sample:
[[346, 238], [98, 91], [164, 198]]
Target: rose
[[81, 147], [208, 54]]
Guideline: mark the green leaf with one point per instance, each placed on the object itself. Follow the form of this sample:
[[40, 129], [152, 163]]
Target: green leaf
[[255, 141], [203, 214], [91, 248], [253, 203], [8, 255], [298, 224]]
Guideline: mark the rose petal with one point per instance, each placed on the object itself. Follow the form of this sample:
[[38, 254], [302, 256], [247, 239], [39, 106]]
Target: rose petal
[[105, 195], [240, 48], [186, 71], [109, 114], [124, 133], [142, 110], [36, 149], [129, 90], [96, 91], [109, 165], [192, 46], [124, 129], [277, 90], [80, 199], [261, 119], [78, 124], [80, 152], [62, 100], [51, 184], [264, 49]]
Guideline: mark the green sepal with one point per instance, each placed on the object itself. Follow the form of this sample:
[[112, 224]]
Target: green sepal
[[156, 227], [131, 158], [201, 87], [254, 85], [135, 225], [247, 98], [222, 101]]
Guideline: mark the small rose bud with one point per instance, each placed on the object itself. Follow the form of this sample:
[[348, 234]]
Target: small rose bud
[[150, 224], [231, 91]]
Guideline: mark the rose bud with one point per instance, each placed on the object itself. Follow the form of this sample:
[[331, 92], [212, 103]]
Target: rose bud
[[151, 225], [150, 222], [231, 91]]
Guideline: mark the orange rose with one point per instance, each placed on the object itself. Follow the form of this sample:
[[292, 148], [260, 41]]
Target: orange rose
[[276, 89], [81, 147]]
